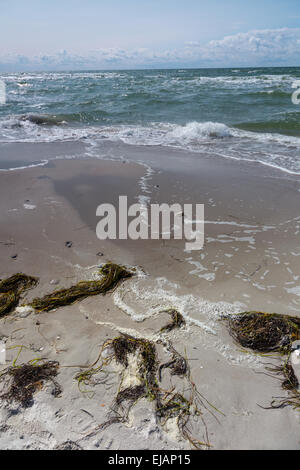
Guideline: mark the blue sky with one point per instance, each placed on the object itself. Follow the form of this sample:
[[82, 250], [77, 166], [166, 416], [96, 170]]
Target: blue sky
[[60, 34]]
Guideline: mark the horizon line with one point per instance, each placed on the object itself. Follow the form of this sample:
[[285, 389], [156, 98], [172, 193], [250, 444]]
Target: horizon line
[[148, 68]]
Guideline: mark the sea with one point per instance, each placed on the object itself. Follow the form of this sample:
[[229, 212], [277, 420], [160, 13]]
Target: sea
[[244, 114]]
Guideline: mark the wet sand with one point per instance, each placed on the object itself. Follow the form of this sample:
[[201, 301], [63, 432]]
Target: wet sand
[[249, 262]]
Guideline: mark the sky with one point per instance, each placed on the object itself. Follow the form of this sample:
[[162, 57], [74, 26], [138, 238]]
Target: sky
[[118, 34]]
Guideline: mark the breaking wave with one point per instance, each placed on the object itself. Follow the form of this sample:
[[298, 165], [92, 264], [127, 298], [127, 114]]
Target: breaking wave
[[247, 141]]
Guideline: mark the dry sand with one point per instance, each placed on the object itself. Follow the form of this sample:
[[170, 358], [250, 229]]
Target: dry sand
[[249, 262]]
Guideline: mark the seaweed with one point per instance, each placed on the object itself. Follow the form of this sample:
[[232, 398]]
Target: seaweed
[[182, 406], [167, 404], [85, 378], [112, 275], [11, 290], [68, 445], [24, 380], [17, 283], [289, 382], [125, 400], [177, 320], [271, 332], [174, 406], [8, 301], [264, 332], [124, 345], [177, 364], [130, 394]]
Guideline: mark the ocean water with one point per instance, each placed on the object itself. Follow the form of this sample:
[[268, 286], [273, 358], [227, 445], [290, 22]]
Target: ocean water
[[234, 113]]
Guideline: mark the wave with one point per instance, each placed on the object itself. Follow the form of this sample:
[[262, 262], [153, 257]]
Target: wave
[[27, 128], [153, 134], [24, 77], [191, 135], [42, 128], [265, 81], [247, 141], [60, 119], [25, 167], [42, 119], [196, 130], [216, 139], [288, 125], [168, 134]]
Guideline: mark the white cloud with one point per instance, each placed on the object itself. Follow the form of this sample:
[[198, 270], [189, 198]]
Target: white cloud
[[269, 46], [254, 48]]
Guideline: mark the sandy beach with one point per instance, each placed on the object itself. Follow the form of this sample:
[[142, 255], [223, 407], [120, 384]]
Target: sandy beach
[[150, 228], [249, 262]]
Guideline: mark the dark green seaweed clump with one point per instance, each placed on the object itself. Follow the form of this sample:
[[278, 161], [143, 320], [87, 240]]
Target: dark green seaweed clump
[[130, 394], [17, 283], [122, 347], [125, 345], [177, 364], [68, 445], [23, 381], [264, 332], [289, 382], [168, 404], [11, 290], [177, 320], [176, 405], [268, 332], [112, 275], [8, 301]]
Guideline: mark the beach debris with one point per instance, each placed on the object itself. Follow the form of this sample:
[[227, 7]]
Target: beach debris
[[289, 382], [177, 320], [11, 290], [138, 357], [69, 244], [100, 253], [21, 382], [17, 283], [24, 311], [273, 332], [125, 345], [14, 256], [177, 364], [174, 406], [8, 301], [7, 243], [112, 274], [264, 332], [68, 445]]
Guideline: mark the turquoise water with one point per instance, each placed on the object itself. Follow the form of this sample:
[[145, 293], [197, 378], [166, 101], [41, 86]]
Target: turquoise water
[[237, 113]]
